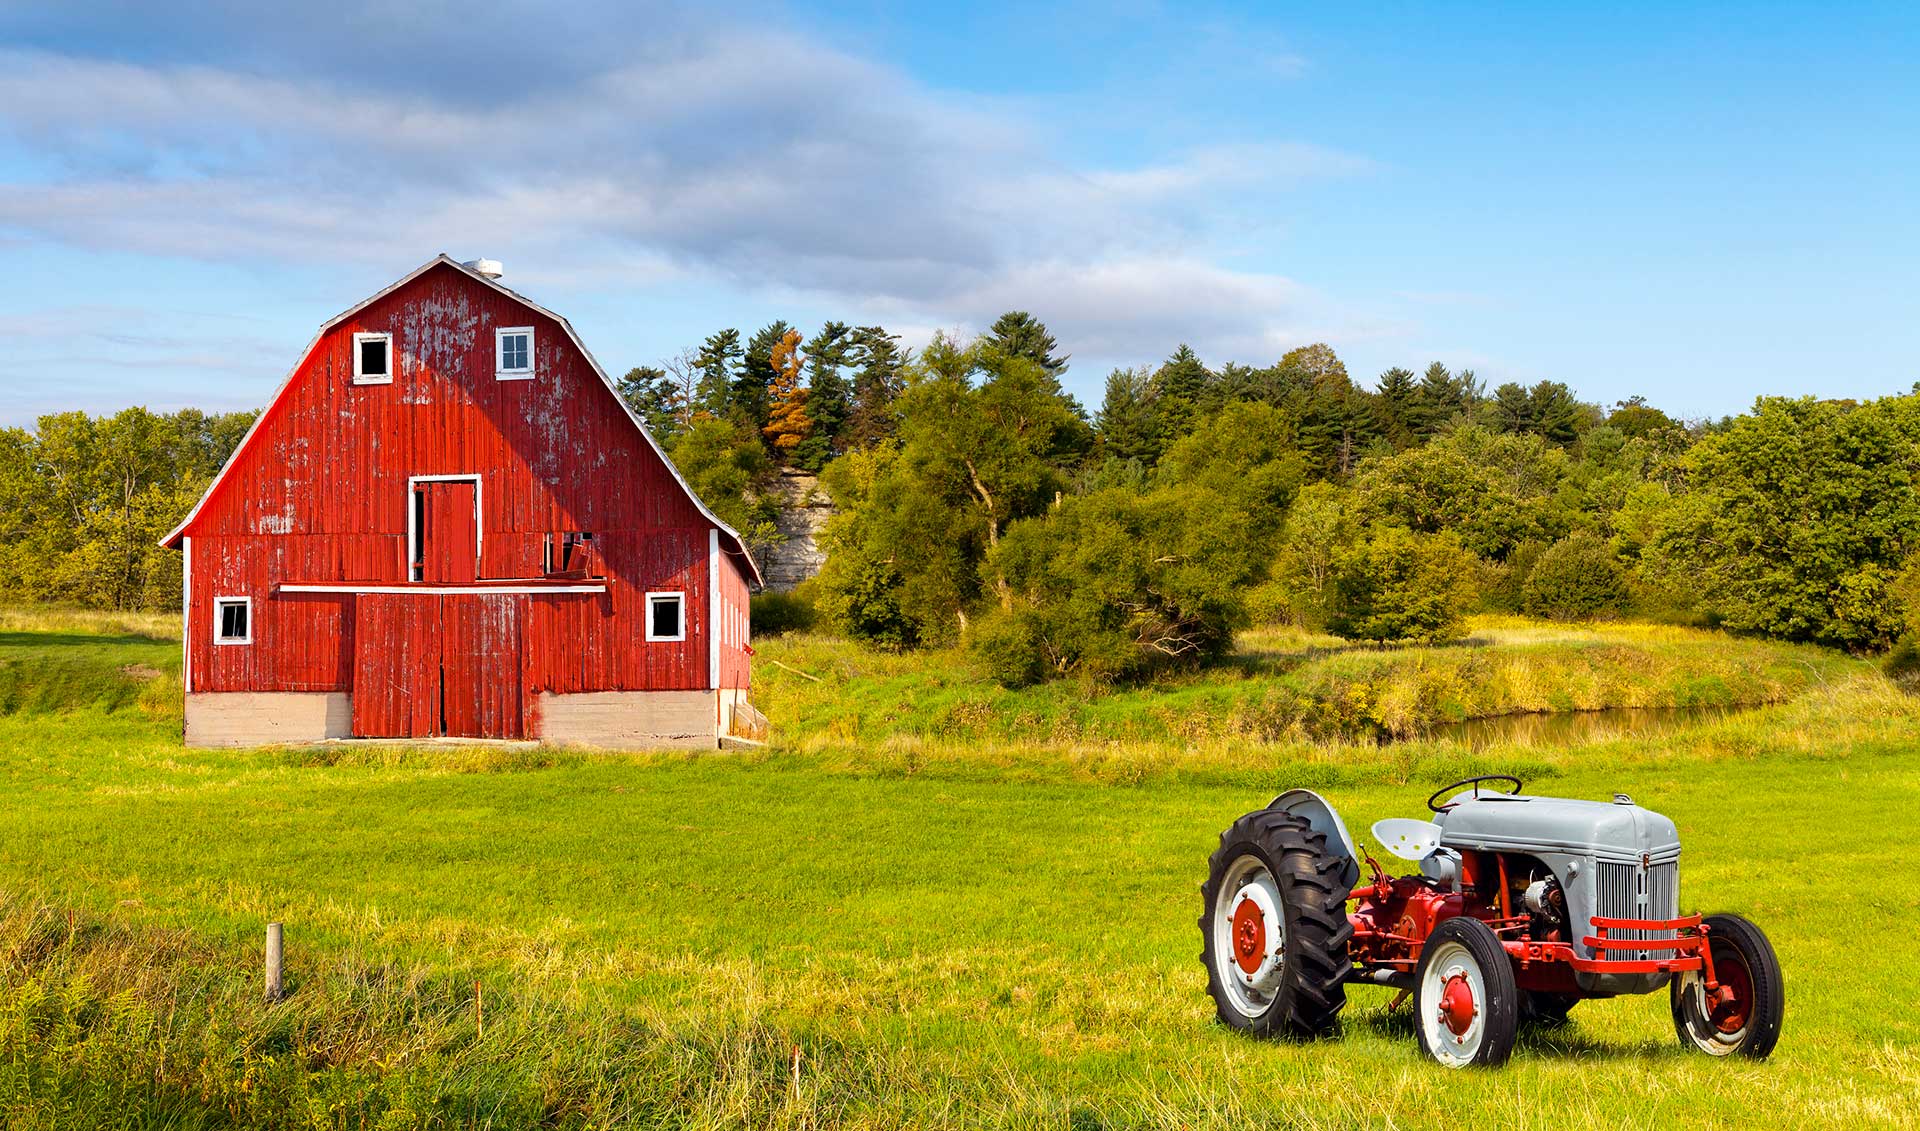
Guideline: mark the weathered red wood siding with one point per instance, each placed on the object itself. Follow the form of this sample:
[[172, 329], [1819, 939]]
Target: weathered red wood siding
[[320, 495], [734, 623]]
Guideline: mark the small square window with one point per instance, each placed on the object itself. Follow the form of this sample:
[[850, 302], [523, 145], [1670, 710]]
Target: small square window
[[666, 616], [513, 353], [373, 359], [233, 620]]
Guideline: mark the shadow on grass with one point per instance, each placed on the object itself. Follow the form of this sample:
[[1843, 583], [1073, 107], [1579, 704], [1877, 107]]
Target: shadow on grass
[[1565, 1040], [76, 640]]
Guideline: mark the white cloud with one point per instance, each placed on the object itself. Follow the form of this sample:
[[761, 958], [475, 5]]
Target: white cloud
[[755, 158]]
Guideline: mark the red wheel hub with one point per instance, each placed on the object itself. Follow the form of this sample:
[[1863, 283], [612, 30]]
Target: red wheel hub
[[1249, 936], [1456, 1005], [1728, 1006]]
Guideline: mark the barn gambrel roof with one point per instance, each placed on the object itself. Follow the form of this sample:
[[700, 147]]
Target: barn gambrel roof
[[172, 539]]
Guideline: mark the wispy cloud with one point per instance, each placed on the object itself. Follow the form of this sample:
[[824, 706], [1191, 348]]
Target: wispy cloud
[[755, 157], [63, 357]]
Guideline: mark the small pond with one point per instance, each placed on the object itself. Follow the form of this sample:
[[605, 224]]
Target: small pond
[[1575, 728]]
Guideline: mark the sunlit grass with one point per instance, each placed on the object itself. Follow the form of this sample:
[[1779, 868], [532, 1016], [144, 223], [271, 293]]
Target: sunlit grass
[[57, 619], [927, 930], [1285, 687]]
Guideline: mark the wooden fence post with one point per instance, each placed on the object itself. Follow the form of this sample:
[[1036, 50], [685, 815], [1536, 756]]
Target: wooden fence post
[[273, 962]]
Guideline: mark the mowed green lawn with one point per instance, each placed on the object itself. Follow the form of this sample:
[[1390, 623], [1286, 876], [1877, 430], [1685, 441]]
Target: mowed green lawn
[[507, 937]]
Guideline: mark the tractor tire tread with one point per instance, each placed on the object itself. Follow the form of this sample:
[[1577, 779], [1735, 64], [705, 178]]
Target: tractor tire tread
[[1501, 1007], [1317, 930], [1769, 986]]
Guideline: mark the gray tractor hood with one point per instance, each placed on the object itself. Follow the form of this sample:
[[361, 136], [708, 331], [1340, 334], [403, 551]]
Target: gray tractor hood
[[1616, 831], [1611, 858]]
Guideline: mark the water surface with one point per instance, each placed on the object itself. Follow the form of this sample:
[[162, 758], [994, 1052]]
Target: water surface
[[1575, 728]]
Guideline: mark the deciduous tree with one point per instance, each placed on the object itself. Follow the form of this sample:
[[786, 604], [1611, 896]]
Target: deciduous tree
[[788, 424]]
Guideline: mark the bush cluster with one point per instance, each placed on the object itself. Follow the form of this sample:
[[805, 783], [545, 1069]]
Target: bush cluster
[[1576, 578]]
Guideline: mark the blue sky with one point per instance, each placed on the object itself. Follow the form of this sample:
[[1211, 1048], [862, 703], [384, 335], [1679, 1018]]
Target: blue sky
[[1697, 203]]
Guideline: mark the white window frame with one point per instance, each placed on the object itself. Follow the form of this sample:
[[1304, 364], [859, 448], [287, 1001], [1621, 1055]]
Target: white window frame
[[218, 604], [680, 597], [500, 372], [362, 379]]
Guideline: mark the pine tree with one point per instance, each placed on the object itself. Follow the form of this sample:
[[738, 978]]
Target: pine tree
[[749, 398], [654, 396], [1177, 388], [1126, 422], [829, 396], [1019, 334], [1399, 408], [788, 424], [1557, 412], [1445, 396], [879, 381], [1513, 409], [1182, 375], [1236, 382], [718, 363]]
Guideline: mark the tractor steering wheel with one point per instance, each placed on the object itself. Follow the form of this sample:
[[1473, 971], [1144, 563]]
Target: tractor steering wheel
[[1433, 802]]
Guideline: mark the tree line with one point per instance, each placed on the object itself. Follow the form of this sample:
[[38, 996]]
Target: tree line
[[85, 499], [981, 504]]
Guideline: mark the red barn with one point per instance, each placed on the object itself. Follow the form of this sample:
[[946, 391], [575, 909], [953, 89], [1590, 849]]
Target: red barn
[[447, 523]]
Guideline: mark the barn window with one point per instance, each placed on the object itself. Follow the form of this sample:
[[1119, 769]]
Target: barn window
[[666, 616], [514, 351], [573, 556], [373, 359], [233, 620]]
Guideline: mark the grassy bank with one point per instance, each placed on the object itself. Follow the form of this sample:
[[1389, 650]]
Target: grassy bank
[[801, 938], [1284, 688], [62, 660]]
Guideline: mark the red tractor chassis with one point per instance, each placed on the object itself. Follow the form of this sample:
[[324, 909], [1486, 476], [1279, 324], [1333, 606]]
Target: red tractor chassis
[[1392, 919]]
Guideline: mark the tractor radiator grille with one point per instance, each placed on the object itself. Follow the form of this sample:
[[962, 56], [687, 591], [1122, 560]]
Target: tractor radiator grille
[[1628, 892]]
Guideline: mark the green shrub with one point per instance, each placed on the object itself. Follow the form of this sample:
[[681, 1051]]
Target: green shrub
[[1271, 602], [1902, 663], [1010, 647], [1398, 585], [775, 614], [1576, 578], [1503, 584], [861, 598], [1114, 583]]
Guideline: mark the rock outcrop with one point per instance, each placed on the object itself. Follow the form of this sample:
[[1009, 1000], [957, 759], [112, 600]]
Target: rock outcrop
[[804, 510]]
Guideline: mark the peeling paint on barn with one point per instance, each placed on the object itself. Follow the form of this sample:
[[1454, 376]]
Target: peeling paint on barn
[[449, 553]]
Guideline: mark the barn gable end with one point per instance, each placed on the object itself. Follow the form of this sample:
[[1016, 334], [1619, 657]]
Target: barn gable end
[[473, 543]]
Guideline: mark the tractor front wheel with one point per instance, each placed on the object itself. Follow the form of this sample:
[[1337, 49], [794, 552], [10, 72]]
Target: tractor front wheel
[[1742, 1016], [1274, 930], [1466, 1007]]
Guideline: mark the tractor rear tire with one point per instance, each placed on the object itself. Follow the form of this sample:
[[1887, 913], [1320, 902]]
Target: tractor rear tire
[[1274, 928], [1466, 1007], [1744, 961]]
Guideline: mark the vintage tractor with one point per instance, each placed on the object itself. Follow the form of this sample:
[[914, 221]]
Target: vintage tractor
[[1522, 907]]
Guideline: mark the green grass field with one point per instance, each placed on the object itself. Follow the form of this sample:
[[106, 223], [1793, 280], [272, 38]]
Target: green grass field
[[883, 922]]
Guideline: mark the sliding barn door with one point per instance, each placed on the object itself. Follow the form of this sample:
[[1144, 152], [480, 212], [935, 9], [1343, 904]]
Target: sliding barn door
[[480, 666], [433, 664], [396, 665]]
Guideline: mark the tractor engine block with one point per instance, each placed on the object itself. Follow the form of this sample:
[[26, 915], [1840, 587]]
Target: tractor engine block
[[1389, 929]]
